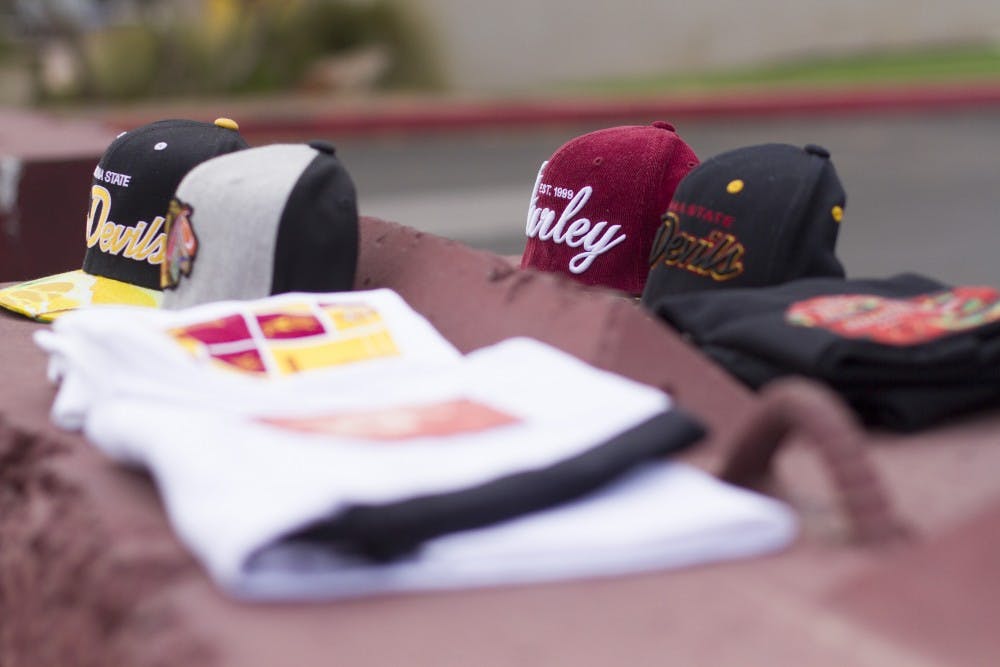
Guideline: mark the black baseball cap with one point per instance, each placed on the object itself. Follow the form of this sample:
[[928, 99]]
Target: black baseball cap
[[750, 217], [125, 233]]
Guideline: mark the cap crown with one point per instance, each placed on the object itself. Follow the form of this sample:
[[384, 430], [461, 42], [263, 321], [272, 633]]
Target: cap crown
[[132, 187], [267, 220], [596, 204], [755, 216]]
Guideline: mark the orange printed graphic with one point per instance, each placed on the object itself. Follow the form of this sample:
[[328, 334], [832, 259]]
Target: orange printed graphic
[[899, 321], [285, 325], [290, 340], [248, 361], [449, 418]]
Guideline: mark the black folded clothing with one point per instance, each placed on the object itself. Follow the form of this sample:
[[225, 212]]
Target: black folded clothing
[[903, 408], [905, 351], [384, 532]]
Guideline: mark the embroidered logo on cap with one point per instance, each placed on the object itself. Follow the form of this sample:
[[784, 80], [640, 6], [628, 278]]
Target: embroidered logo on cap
[[580, 232], [718, 255], [182, 245], [142, 243]]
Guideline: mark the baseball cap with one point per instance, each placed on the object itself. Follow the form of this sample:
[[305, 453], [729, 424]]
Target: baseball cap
[[131, 188], [596, 204], [267, 220], [750, 217]]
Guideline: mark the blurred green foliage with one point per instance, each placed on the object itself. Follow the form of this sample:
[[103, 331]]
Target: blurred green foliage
[[927, 64], [232, 46]]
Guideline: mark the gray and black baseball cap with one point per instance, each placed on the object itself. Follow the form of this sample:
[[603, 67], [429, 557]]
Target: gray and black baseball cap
[[131, 188], [267, 220]]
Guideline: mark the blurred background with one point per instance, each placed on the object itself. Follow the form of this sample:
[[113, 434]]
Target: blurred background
[[451, 103], [78, 50], [105, 50]]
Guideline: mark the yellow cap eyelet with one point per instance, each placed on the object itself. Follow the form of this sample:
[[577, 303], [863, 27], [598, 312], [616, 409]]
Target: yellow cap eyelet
[[735, 187], [227, 123]]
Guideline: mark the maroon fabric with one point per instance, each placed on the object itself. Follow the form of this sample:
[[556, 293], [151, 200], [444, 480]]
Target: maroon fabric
[[596, 204]]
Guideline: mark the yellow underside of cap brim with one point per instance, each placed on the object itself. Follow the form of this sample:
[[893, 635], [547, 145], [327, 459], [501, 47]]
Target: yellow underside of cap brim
[[47, 298]]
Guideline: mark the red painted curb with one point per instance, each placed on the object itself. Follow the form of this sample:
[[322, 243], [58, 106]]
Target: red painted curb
[[440, 115]]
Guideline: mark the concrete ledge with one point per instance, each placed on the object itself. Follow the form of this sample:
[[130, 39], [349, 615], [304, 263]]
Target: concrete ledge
[[292, 118], [476, 298]]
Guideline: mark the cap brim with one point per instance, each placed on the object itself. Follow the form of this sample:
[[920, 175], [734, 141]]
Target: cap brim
[[47, 298]]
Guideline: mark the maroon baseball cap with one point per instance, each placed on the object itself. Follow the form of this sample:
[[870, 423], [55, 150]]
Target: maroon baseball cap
[[596, 204]]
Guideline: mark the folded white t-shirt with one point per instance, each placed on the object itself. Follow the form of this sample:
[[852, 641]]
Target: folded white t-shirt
[[662, 515], [234, 353], [237, 482]]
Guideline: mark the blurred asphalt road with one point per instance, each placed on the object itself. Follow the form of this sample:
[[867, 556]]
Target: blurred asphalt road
[[923, 188]]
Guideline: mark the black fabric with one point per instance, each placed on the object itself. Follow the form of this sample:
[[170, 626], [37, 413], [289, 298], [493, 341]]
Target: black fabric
[[316, 249], [911, 382], [141, 201], [912, 408], [754, 323], [392, 530], [751, 217], [899, 407]]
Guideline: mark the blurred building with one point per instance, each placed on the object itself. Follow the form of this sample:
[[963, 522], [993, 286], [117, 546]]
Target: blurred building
[[518, 43], [93, 49]]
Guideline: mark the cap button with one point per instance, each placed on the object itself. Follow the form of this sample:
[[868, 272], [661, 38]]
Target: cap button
[[813, 149], [663, 125], [322, 146], [227, 123]]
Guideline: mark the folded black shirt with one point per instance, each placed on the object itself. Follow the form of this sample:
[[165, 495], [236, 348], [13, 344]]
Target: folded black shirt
[[905, 351]]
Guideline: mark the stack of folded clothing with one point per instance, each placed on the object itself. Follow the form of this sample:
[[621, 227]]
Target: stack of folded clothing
[[906, 351], [392, 468], [744, 264]]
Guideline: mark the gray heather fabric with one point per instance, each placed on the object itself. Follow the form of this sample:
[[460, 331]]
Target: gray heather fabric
[[236, 203]]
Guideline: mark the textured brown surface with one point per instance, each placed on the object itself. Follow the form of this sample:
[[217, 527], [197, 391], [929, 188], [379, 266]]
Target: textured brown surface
[[476, 298], [793, 406], [949, 587], [90, 573]]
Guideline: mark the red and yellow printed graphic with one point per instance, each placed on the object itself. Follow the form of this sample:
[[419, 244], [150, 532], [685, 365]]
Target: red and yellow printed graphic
[[230, 329], [899, 321], [248, 361], [285, 325], [290, 339], [447, 418]]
